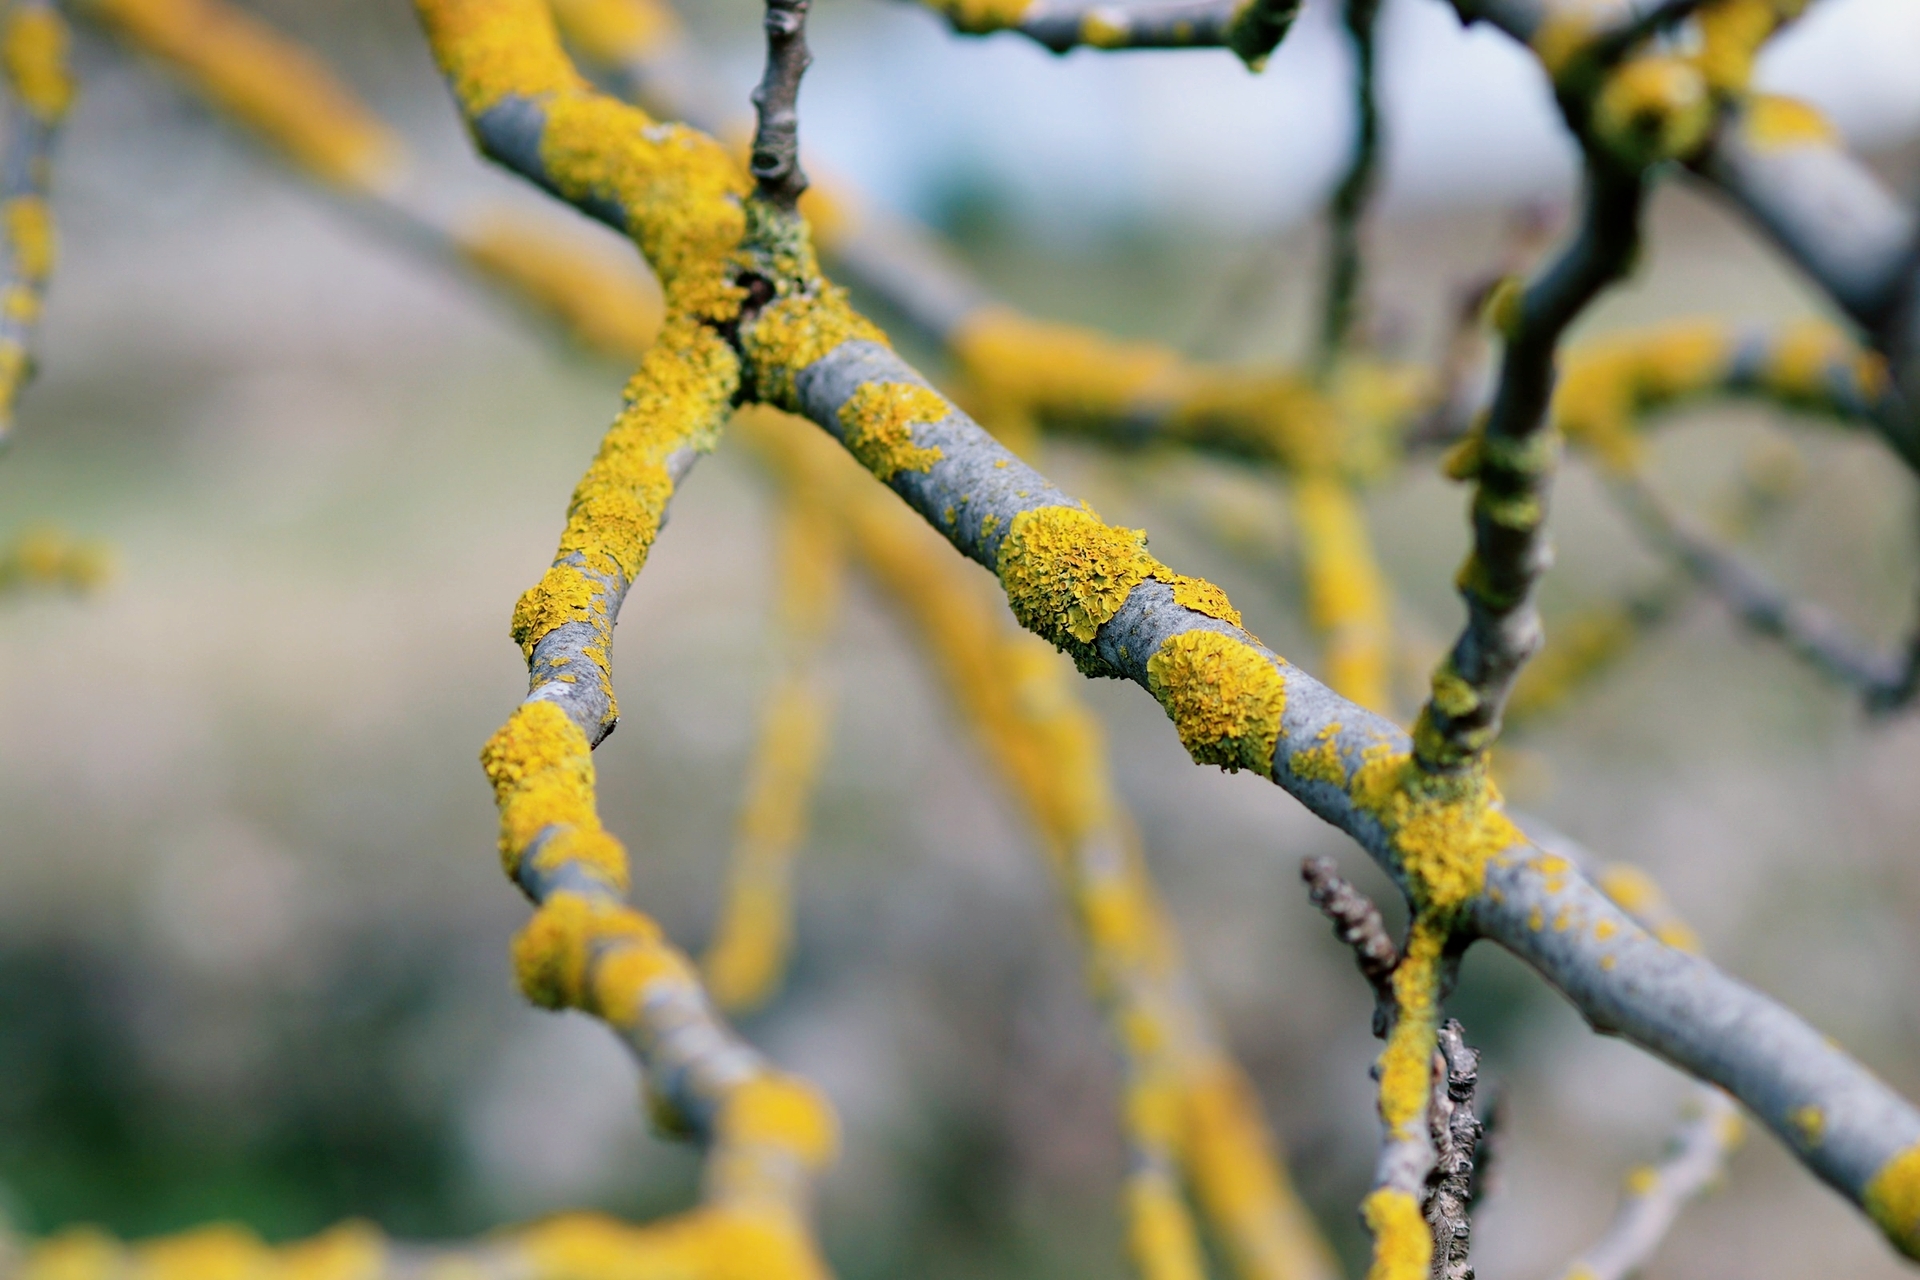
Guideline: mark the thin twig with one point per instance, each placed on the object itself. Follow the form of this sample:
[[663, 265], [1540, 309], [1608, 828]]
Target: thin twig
[[1341, 300], [1358, 924], [1454, 1122], [775, 161]]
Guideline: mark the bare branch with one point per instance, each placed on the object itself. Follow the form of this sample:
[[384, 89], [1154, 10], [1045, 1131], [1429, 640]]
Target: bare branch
[[1357, 923], [1453, 1119], [775, 160], [1342, 295]]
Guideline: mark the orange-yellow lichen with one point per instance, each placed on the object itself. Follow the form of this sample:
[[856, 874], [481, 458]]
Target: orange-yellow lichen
[[1892, 1200], [1198, 595], [77, 1253], [1810, 1122], [878, 419], [615, 31], [1731, 33], [1402, 1242], [553, 956], [1804, 357], [795, 332], [1066, 572], [266, 82], [1635, 893], [1405, 1064], [1321, 762], [603, 297], [1774, 123], [218, 1252], [774, 1110], [1100, 31], [1607, 385], [1654, 108], [1563, 36], [350, 1251], [979, 17], [1642, 1179], [33, 53], [676, 400], [541, 769], [1160, 1237], [1443, 829], [47, 557], [1225, 698]]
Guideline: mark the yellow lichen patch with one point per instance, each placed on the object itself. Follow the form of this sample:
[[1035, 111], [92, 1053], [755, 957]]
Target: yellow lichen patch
[[1561, 37], [350, 1251], [603, 297], [1893, 1200], [541, 769], [1443, 829], [1806, 355], [1402, 1242], [78, 1253], [1018, 369], [1406, 1062], [1225, 699], [1577, 649], [614, 31], [1607, 385], [1604, 929], [47, 557], [773, 1110], [1066, 572], [33, 52], [1321, 762], [553, 953], [1731, 33], [1642, 1179], [218, 1252], [1774, 123], [1346, 601], [878, 419], [1099, 30], [1654, 108], [1810, 1122], [1160, 1235], [266, 82], [1198, 595], [979, 17], [797, 331], [491, 49], [1635, 893]]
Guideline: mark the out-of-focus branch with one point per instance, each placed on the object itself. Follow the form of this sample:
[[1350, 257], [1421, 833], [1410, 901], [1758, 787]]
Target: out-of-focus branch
[[1710, 1128], [47, 558], [1808, 631], [1357, 923], [1342, 296], [1250, 28], [1190, 1115], [38, 91], [747, 958]]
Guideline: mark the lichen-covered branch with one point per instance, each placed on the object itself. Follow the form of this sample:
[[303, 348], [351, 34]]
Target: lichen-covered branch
[[1094, 591], [1252, 29], [38, 91], [747, 957], [1191, 1118]]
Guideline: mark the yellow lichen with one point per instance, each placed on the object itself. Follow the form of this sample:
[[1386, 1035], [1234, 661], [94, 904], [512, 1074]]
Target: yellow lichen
[[1405, 1064], [1160, 1235], [1101, 31], [1810, 1122], [77, 1253], [1066, 572], [1402, 1242], [218, 1252], [266, 82], [878, 419], [541, 769], [794, 333], [603, 298], [1443, 829], [1642, 1179], [1654, 108], [1198, 595], [1321, 762], [1774, 123], [615, 31], [1225, 699], [1607, 385], [781, 1111], [1731, 33], [1562, 37], [1894, 1200], [33, 52], [980, 17], [1346, 600], [553, 954]]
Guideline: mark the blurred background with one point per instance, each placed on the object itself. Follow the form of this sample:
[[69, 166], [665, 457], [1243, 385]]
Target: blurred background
[[253, 932]]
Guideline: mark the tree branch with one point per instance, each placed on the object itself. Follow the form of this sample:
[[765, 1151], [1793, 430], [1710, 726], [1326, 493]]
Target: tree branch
[[1250, 28]]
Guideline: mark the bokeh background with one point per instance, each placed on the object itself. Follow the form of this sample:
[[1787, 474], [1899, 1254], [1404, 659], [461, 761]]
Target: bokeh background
[[252, 927]]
